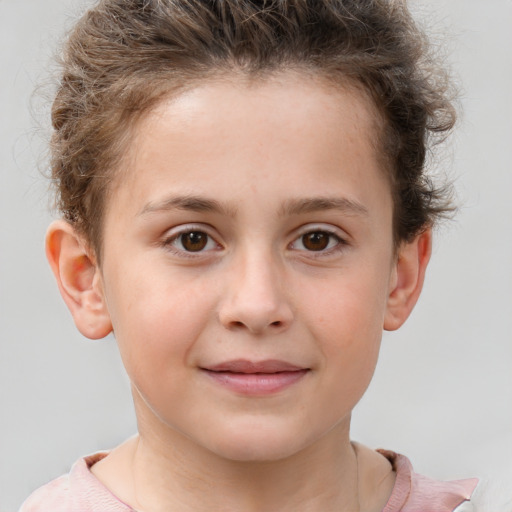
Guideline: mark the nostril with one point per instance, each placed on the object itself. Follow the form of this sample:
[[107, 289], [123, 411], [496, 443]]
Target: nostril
[[236, 324]]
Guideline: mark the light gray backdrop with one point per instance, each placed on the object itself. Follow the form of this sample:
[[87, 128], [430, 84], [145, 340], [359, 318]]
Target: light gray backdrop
[[443, 391]]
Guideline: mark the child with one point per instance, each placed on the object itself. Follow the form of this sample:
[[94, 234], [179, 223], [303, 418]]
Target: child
[[245, 206]]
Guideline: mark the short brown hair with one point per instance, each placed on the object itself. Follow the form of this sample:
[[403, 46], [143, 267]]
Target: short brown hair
[[124, 55]]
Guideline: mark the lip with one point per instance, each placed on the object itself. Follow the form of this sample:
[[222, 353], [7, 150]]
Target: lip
[[255, 377]]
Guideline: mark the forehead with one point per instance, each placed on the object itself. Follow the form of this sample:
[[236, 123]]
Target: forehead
[[301, 97], [291, 127]]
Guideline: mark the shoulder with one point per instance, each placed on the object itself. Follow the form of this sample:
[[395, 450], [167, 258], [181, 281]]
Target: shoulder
[[77, 491], [417, 493], [54, 496]]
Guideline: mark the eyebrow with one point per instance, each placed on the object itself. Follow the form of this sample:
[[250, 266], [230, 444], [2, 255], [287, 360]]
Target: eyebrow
[[315, 204], [189, 203], [291, 207]]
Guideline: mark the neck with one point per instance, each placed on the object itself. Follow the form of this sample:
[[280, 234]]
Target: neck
[[156, 473], [178, 477]]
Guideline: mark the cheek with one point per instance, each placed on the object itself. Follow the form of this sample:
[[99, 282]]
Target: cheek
[[353, 306], [350, 342], [156, 321], [346, 318]]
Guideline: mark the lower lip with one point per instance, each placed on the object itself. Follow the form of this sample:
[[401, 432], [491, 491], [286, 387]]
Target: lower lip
[[257, 383]]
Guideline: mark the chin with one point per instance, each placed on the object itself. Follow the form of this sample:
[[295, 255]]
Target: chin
[[258, 443], [256, 452]]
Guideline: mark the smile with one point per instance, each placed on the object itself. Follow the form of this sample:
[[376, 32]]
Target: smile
[[255, 378]]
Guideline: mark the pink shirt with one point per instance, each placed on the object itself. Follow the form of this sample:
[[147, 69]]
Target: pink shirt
[[81, 491]]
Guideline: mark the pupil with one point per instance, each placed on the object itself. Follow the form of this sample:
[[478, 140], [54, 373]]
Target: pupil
[[316, 241], [194, 241]]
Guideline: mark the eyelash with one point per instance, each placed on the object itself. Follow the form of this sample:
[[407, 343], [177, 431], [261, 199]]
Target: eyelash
[[339, 242], [170, 241]]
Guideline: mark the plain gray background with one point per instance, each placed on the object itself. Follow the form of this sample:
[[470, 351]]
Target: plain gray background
[[442, 393]]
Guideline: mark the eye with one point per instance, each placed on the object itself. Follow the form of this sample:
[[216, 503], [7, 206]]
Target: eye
[[191, 241], [318, 241]]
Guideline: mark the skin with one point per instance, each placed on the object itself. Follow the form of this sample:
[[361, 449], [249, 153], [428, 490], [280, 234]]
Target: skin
[[254, 168]]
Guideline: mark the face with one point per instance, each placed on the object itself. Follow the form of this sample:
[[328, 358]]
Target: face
[[248, 260]]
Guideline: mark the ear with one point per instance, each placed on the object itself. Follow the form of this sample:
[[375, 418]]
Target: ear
[[407, 282], [79, 279]]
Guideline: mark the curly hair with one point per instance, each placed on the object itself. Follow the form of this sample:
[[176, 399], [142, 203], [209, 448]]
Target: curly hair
[[123, 56]]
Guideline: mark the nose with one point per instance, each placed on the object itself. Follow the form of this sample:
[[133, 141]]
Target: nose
[[255, 300]]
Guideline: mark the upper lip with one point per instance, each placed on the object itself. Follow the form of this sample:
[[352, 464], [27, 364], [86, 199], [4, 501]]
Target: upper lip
[[246, 366]]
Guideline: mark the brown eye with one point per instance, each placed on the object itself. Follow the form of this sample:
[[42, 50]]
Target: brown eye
[[194, 241], [316, 241]]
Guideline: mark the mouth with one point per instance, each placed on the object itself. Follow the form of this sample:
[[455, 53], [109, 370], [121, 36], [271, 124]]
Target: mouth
[[256, 378]]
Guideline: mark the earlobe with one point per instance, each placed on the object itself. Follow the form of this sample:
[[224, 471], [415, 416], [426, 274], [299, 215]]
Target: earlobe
[[79, 279], [410, 268]]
